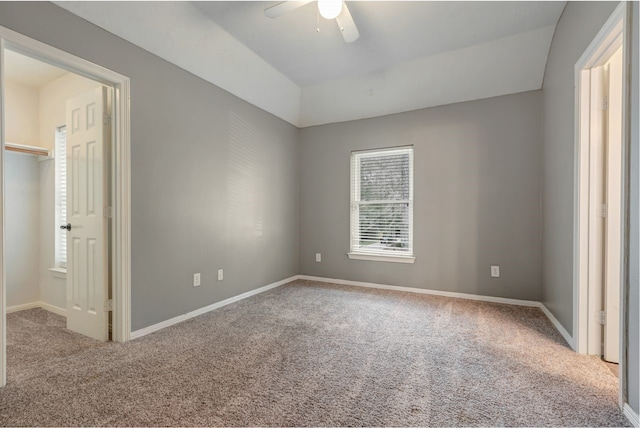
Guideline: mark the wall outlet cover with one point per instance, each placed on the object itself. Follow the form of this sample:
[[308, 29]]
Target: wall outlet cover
[[196, 279], [318, 257], [495, 271], [220, 274]]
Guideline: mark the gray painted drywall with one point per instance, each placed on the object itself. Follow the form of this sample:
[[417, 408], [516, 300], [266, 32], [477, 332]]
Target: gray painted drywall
[[576, 28], [634, 204], [214, 179], [476, 201], [22, 226]]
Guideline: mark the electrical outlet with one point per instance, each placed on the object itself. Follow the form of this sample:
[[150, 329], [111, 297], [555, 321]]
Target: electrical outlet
[[495, 271], [196, 279], [318, 257], [220, 274]]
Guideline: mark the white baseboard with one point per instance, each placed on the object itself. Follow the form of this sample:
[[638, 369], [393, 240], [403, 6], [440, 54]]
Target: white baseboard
[[54, 309], [23, 307], [38, 304], [558, 326], [504, 300], [530, 303], [454, 294], [159, 326], [631, 415]]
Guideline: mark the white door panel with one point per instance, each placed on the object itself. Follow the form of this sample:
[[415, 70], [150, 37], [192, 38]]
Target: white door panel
[[87, 281], [614, 216], [596, 200]]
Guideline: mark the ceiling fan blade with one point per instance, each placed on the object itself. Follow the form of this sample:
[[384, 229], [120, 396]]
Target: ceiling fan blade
[[346, 25], [284, 7]]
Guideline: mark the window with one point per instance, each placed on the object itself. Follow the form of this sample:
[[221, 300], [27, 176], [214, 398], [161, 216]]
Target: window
[[382, 205], [61, 196]]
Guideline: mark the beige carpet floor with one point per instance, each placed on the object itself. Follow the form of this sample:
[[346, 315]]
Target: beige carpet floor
[[312, 354]]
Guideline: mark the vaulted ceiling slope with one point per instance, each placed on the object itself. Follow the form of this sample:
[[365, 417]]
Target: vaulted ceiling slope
[[410, 55]]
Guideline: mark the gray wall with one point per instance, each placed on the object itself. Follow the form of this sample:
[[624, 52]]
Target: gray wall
[[577, 27], [214, 179], [476, 201], [634, 253]]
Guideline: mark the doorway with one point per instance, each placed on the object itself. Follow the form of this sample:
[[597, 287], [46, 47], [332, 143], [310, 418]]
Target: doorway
[[85, 115], [601, 232], [52, 111]]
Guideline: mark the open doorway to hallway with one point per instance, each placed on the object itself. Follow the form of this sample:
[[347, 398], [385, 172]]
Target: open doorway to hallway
[[601, 232]]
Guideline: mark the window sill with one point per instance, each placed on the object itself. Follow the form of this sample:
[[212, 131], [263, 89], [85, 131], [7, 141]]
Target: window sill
[[381, 258], [59, 272]]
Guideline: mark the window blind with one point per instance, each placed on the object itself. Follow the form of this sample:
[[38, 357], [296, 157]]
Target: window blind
[[61, 196], [382, 202]]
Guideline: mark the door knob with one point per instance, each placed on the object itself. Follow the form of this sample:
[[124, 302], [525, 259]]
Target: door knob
[[67, 226]]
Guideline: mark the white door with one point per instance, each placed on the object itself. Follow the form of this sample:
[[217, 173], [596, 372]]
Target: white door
[[597, 232], [87, 264], [612, 278]]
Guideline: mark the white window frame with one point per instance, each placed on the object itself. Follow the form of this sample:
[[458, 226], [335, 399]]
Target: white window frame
[[359, 254]]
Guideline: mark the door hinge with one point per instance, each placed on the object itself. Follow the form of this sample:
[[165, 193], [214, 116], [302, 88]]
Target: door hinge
[[605, 103], [108, 305], [603, 211], [602, 317], [108, 212], [107, 119]]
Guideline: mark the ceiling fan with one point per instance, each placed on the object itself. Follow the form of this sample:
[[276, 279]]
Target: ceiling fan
[[328, 9]]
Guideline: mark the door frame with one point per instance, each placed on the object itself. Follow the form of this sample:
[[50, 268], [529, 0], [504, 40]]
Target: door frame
[[120, 177], [614, 34]]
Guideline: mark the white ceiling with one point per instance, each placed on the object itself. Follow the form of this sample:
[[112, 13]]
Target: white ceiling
[[410, 55], [28, 71], [392, 32]]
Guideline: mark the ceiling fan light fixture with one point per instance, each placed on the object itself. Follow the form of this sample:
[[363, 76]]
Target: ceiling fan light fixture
[[329, 9]]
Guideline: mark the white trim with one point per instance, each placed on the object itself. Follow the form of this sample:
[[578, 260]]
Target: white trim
[[3, 271], [35, 305], [581, 205], [615, 32], [631, 415], [453, 294], [175, 320], [596, 54], [504, 300], [58, 272], [382, 258], [600, 48], [355, 202], [23, 307], [55, 309], [121, 206], [121, 188], [565, 334]]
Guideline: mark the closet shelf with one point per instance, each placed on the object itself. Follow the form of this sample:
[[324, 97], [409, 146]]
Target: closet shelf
[[41, 152]]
